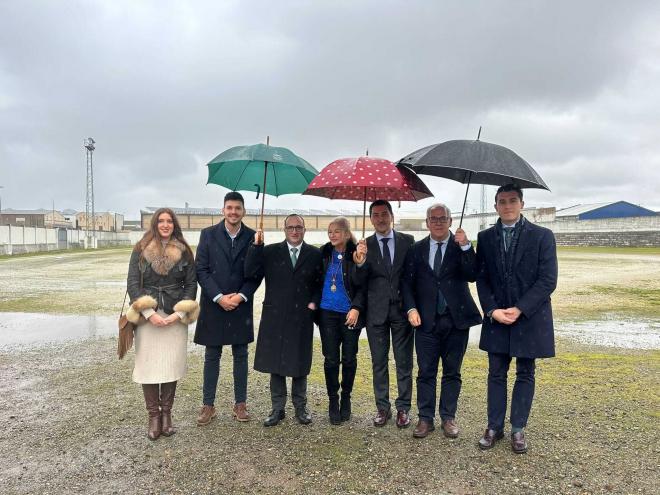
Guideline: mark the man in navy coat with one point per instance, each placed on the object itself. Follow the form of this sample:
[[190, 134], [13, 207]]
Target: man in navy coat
[[226, 304], [439, 305], [517, 274]]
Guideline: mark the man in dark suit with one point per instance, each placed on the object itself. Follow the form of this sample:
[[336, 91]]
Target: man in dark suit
[[226, 304], [517, 274], [440, 307], [293, 271], [380, 273]]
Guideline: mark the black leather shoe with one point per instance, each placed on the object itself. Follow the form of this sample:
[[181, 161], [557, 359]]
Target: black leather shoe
[[303, 416], [490, 438], [518, 442], [274, 418]]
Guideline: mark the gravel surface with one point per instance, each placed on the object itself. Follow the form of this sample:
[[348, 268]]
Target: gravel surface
[[75, 423]]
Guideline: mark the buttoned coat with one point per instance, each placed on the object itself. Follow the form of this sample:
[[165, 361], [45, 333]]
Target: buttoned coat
[[220, 270], [286, 329], [420, 284], [382, 286], [526, 282]]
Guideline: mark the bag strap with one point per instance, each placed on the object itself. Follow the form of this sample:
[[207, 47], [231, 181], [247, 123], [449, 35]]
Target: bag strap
[[141, 285], [123, 304]]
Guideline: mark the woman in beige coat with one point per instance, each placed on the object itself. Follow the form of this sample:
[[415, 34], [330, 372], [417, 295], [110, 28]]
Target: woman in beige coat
[[162, 286]]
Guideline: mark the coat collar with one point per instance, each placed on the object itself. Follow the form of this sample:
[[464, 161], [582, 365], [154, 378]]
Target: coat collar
[[224, 241], [162, 259]]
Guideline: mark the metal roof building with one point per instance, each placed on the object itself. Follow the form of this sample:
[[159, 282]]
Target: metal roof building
[[598, 211]]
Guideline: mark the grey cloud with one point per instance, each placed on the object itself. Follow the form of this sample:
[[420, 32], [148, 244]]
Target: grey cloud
[[165, 86]]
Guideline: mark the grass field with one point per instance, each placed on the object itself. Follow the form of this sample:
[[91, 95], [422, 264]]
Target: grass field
[[593, 282]]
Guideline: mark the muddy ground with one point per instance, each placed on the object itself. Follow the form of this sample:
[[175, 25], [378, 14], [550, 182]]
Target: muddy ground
[[75, 423]]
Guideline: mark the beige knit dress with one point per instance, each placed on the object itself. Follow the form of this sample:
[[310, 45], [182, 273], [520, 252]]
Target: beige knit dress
[[160, 352]]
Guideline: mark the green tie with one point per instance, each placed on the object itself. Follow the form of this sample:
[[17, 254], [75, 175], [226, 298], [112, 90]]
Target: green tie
[[508, 234], [294, 256]]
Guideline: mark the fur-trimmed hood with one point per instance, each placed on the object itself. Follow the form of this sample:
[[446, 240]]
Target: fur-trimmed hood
[[162, 260]]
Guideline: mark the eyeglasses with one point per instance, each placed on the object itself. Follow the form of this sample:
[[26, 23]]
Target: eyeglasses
[[438, 219], [294, 228]]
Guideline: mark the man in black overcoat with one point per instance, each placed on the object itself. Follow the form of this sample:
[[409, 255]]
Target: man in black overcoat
[[387, 322], [440, 308], [293, 271], [517, 274], [226, 304]]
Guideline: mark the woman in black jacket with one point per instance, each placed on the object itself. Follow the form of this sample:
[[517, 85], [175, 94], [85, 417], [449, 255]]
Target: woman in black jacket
[[162, 286], [341, 317]]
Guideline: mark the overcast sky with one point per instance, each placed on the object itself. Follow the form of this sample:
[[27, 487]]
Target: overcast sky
[[165, 86]]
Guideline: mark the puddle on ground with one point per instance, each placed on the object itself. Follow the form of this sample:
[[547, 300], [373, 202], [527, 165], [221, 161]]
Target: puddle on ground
[[39, 328], [20, 329], [638, 334]]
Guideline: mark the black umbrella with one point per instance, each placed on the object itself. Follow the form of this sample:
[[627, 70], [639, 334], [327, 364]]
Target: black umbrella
[[475, 162]]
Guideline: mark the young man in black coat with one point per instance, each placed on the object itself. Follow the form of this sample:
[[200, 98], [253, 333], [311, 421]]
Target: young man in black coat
[[380, 276], [439, 305], [517, 274], [226, 304], [293, 271]]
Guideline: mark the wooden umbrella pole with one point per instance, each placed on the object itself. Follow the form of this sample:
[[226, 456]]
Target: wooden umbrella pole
[[263, 198], [465, 200]]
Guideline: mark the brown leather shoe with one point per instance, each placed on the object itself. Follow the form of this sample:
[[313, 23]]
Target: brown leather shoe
[[423, 429], [241, 413], [450, 428], [206, 414], [518, 442], [402, 419], [490, 437], [382, 416]]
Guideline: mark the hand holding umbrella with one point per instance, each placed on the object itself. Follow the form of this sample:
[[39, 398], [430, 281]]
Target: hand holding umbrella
[[367, 179]]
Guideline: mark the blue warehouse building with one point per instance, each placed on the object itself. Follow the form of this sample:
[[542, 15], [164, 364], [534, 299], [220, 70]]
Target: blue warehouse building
[[601, 211]]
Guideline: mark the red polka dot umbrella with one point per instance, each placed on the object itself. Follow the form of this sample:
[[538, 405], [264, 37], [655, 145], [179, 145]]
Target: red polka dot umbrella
[[365, 179]]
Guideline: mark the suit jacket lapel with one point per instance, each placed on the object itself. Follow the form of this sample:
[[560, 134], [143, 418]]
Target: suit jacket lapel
[[373, 247], [221, 237], [240, 242], [425, 252], [450, 252], [520, 245], [302, 255], [399, 248]]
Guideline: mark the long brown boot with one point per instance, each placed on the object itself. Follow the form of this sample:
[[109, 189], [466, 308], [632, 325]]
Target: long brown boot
[[151, 400], [167, 391]]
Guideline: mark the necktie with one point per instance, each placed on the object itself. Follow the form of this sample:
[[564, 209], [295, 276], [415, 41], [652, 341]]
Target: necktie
[[294, 256], [508, 235], [387, 257], [441, 304]]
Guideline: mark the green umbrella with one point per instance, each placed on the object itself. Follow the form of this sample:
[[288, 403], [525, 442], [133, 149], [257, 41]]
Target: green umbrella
[[252, 168]]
